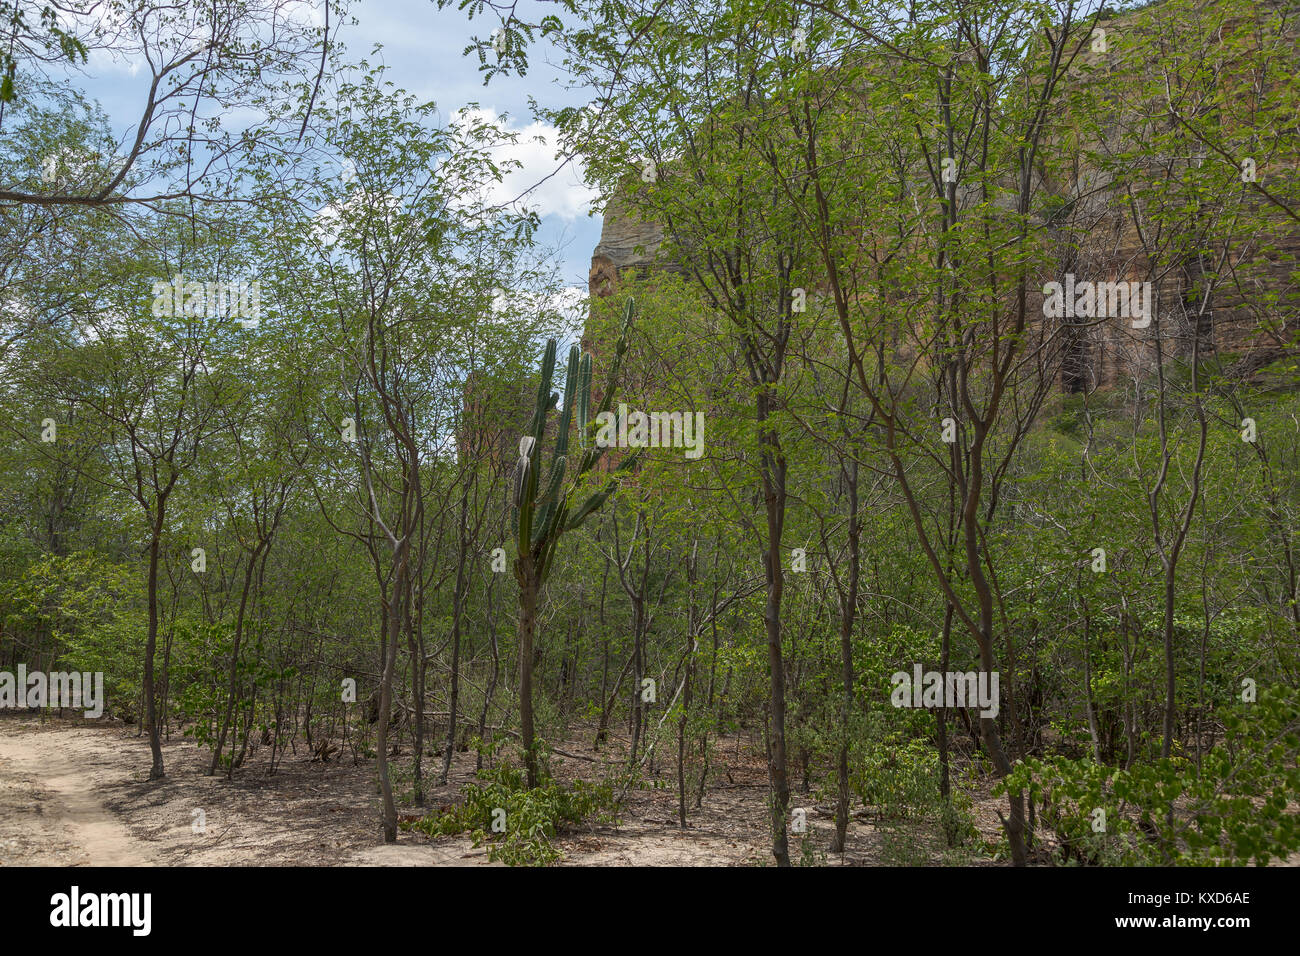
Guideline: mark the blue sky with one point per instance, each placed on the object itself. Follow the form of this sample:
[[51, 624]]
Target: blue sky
[[421, 47]]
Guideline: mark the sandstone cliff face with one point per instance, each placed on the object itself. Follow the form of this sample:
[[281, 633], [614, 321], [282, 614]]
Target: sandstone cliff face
[[1254, 313], [627, 242], [1253, 310]]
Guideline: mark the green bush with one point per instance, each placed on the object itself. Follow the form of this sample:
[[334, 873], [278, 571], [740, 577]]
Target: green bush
[[531, 818], [1232, 810]]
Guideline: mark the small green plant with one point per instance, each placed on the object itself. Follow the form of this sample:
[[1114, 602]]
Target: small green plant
[[810, 854], [519, 824], [958, 823], [897, 777]]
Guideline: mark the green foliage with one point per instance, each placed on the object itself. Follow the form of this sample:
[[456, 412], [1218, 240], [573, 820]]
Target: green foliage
[[1235, 808], [91, 606], [403, 276], [532, 818], [896, 775]]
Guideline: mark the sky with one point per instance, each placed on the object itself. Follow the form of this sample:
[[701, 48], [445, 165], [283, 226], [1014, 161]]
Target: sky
[[422, 50], [422, 47]]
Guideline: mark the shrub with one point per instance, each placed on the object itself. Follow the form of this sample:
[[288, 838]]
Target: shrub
[[528, 820]]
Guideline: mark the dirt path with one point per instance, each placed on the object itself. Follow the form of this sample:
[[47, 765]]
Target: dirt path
[[79, 795], [76, 794], [51, 807]]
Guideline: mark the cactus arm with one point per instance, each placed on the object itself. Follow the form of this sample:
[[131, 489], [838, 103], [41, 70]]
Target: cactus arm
[[544, 397], [584, 399], [590, 505], [549, 501], [542, 519], [566, 416], [597, 499], [551, 540], [528, 504]]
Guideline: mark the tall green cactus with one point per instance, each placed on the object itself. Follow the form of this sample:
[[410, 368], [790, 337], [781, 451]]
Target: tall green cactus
[[543, 511]]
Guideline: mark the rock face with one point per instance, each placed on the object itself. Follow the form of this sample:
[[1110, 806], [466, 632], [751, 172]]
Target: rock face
[[1249, 317], [1252, 315], [627, 242]]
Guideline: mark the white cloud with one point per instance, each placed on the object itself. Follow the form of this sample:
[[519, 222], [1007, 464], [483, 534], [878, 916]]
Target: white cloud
[[329, 222], [553, 187], [570, 302]]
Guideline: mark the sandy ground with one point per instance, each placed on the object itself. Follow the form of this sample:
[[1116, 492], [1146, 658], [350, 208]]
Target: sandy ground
[[51, 809], [77, 794]]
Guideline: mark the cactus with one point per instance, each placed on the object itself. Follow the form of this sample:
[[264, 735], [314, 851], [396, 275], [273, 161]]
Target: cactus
[[543, 510]]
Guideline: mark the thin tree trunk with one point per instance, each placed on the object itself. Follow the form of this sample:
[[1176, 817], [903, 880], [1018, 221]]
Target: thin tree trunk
[[386, 693], [457, 609], [848, 615], [941, 715], [156, 771], [776, 666], [233, 684], [492, 679]]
